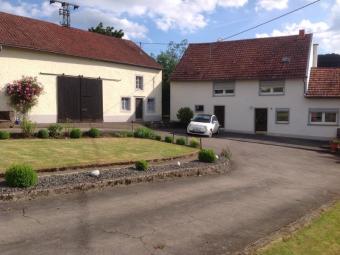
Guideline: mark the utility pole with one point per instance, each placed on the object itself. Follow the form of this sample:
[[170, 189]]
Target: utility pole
[[65, 12]]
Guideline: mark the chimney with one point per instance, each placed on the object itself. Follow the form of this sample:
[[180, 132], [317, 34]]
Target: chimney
[[301, 33], [315, 55]]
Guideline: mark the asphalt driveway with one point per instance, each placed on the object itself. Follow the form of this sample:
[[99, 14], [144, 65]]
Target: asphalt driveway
[[269, 187]]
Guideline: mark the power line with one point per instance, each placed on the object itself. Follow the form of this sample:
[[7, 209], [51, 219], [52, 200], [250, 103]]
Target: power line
[[271, 20]]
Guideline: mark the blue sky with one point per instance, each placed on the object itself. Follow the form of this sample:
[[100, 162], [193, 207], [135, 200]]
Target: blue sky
[[195, 20]]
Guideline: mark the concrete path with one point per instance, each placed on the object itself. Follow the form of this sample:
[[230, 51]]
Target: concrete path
[[269, 187]]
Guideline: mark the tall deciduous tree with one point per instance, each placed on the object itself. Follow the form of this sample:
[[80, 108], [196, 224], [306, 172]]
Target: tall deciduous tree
[[168, 59], [110, 31]]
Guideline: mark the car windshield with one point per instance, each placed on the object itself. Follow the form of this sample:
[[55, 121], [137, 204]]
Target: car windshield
[[202, 118]]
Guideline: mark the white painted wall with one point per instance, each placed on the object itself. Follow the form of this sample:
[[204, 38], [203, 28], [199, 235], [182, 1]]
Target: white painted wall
[[14, 63], [240, 108]]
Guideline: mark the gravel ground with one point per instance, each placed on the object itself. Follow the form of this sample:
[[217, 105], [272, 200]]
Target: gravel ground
[[69, 179]]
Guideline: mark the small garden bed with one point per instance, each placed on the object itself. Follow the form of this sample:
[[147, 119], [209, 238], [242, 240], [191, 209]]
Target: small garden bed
[[83, 180]]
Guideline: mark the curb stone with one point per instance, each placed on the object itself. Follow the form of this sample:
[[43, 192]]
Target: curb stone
[[217, 168]]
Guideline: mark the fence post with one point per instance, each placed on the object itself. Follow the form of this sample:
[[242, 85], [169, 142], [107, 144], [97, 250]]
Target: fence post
[[201, 145], [187, 140], [173, 137], [132, 126]]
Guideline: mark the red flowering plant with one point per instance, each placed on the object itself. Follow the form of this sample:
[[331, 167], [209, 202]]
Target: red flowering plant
[[23, 94]]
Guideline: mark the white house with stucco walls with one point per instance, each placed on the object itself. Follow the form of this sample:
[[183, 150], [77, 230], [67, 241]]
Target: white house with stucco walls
[[266, 85], [87, 77]]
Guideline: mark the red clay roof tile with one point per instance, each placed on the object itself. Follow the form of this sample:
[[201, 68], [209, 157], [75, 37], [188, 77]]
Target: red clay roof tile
[[324, 82], [22, 32], [260, 58]]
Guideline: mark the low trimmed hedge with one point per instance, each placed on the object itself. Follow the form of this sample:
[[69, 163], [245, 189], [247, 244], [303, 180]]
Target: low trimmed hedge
[[4, 135], [75, 133], [142, 165], [94, 133], [43, 134], [21, 176], [158, 138], [207, 155], [168, 139], [180, 141]]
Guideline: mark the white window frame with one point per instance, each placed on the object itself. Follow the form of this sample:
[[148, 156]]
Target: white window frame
[[271, 85], [154, 105], [323, 118], [139, 86], [282, 110], [199, 105], [129, 104], [227, 85]]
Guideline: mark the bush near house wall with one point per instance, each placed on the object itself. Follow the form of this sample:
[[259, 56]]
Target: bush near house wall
[[21, 176], [185, 115], [55, 130], [43, 134], [4, 135], [27, 127], [75, 133], [94, 132]]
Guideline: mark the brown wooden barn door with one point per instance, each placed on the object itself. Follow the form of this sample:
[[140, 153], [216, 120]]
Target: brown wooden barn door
[[91, 100], [68, 99]]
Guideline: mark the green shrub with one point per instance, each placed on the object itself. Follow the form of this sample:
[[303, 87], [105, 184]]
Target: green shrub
[[55, 130], [4, 135], [142, 165], [180, 141], [206, 155], [124, 134], [94, 132], [43, 133], [21, 176], [75, 133], [194, 143], [168, 139], [185, 115], [144, 132], [158, 138], [27, 127], [226, 153]]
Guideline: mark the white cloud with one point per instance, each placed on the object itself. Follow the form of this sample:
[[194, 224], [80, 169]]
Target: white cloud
[[185, 15], [269, 5], [326, 33]]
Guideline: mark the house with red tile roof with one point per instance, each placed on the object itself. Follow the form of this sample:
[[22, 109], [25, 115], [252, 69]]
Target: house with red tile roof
[[266, 85], [87, 77]]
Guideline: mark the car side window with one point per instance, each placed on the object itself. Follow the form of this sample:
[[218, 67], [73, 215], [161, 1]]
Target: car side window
[[214, 119]]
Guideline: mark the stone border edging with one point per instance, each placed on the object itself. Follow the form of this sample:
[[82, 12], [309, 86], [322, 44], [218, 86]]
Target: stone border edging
[[122, 163], [286, 231], [215, 168]]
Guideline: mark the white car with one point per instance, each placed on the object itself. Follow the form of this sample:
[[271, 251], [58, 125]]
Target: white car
[[203, 124]]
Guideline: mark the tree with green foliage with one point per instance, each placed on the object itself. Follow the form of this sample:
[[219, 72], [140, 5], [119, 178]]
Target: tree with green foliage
[[168, 59], [110, 31]]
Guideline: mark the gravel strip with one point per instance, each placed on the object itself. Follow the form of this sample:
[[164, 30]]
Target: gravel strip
[[62, 183]]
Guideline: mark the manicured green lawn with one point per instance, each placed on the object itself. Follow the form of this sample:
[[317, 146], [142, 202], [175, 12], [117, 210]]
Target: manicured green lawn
[[52, 153], [322, 237]]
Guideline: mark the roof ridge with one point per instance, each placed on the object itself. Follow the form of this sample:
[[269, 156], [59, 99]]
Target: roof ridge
[[252, 39]]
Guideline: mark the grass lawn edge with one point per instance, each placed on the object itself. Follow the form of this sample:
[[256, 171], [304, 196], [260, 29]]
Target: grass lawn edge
[[260, 246]]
